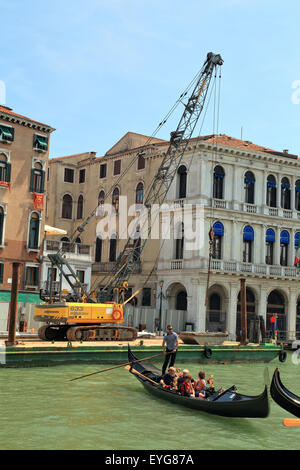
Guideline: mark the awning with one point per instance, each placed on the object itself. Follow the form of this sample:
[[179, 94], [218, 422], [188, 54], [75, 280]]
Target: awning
[[23, 297], [248, 233], [285, 237], [42, 142], [54, 231], [6, 132], [218, 229], [270, 235]]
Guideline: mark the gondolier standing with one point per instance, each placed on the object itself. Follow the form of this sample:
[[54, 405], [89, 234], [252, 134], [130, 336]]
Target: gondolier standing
[[169, 347]]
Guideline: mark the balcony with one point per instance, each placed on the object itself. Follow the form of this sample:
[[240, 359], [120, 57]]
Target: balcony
[[109, 266], [78, 250], [262, 270]]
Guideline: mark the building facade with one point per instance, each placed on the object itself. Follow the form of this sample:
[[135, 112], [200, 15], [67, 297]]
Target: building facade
[[24, 151]]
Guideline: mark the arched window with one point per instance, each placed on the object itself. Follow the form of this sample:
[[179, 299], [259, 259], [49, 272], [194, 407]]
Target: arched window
[[285, 194], [218, 230], [297, 195], [113, 248], [276, 307], [115, 199], [249, 181], [78, 240], [4, 168], [34, 228], [271, 191], [101, 199], [182, 177], [67, 204], [219, 175], [1, 225], [284, 247], [98, 251], [37, 180], [139, 197], [179, 242], [80, 207], [248, 239], [141, 162], [270, 240]]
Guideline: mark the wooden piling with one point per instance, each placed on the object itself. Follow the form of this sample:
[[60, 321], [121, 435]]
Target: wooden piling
[[13, 306]]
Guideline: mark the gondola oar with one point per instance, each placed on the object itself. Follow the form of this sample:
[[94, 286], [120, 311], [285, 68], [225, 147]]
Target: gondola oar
[[138, 373], [291, 422], [115, 367]]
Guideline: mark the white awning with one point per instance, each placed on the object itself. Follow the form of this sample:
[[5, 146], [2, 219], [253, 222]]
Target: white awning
[[54, 231]]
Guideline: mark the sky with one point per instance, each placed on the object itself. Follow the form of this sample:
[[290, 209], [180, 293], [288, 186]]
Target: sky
[[96, 69]]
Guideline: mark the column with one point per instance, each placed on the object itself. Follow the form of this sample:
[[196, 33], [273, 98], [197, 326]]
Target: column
[[277, 246], [293, 197], [278, 190], [291, 248], [199, 307], [291, 315], [262, 304], [231, 311], [235, 241], [264, 193], [263, 244]]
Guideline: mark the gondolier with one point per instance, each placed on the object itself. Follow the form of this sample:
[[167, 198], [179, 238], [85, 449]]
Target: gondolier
[[169, 346]]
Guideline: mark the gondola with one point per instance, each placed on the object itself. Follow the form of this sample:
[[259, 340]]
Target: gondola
[[227, 403], [283, 397]]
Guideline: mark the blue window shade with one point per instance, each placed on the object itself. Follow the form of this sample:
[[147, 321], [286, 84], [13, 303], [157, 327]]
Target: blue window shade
[[297, 189], [248, 233], [297, 238], [285, 237], [247, 180], [218, 228], [271, 185], [270, 235], [285, 186]]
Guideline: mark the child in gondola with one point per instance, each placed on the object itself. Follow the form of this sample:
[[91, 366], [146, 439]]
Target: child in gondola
[[200, 385], [186, 387]]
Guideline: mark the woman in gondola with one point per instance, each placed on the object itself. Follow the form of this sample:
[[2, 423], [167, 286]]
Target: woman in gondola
[[200, 385]]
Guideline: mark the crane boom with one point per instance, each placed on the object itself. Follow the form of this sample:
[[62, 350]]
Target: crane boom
[[193, 106]]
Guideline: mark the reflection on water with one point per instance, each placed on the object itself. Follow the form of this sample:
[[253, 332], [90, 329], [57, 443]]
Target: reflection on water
[[40, 409]]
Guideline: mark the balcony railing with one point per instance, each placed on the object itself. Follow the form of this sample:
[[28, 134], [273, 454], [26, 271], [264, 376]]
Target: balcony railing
[[176, 264], [260, 269], [75, 248]]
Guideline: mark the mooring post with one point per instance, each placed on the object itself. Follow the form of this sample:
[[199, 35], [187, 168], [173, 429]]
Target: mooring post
[[13, 306], [244, 339]]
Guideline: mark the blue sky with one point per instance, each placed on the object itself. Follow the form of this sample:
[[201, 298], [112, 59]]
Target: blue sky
[[96, 69]]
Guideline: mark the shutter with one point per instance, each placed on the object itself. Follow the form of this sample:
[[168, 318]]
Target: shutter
[[31, 181], [42, 181], [8, 172]]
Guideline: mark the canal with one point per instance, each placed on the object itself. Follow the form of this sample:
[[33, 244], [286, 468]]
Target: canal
[[41, 409]]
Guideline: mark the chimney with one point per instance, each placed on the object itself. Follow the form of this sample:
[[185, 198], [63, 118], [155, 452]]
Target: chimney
[[285, 151]]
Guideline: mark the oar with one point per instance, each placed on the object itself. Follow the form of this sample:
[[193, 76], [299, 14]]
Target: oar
[[291, 422], [138, 373], [116, 367]]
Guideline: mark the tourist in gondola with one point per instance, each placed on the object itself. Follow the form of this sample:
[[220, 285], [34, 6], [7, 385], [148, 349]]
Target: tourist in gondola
[[167, 380], [169, 347], [200, 385], [186, 387]]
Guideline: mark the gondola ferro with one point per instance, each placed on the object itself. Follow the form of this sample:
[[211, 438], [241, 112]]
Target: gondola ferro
[[283, 397]]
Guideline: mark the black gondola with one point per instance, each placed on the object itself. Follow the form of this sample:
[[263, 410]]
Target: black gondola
[[283, 397], [228, 403]]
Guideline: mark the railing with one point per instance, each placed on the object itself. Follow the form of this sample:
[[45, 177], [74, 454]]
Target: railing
[[288, 214], [273, 211], [176, 264], [261, 269], [75, 248], [251, 208], [219, 203]]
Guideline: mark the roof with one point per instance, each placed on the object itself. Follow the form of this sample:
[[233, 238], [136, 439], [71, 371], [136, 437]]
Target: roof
[[6, 110], [84, 155]]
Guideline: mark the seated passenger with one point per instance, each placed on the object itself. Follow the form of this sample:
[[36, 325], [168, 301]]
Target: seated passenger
[[186, 387], [167, 380], [200, 385], [181, 377]]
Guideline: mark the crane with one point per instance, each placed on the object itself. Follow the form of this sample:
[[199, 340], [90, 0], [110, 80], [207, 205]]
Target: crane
[[82, 312]]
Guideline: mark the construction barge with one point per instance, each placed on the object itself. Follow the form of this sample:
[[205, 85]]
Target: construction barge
[[43, 354]]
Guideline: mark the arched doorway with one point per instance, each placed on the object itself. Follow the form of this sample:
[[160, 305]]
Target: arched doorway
[[276, 307], [181, 300], [251, 312], [216, 311]]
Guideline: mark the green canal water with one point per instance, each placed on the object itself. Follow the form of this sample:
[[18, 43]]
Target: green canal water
[[41, 409]]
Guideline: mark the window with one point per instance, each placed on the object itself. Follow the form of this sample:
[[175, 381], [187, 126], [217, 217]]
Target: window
[[31, 276], [67, 207], [270, 240], [101, 199], [284, 247], [297, 195], [214, 308], [98, 252], [82, 175], [40, 143], [69, 175], [115, 199], [219, 175], [285, 194], [1, 272], [141, 162], [80, 274], [48, 173], [248, 238], [103, 167], [4, 168], [37, 179], [139, 194], [80, 207], [1, 225], [146, 297], [218, 230], [51, 273], [249, 181], [179, 242], [113, 248], [34, 228], [271, 191], [7, 133], [117, 167], [182, 176]]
